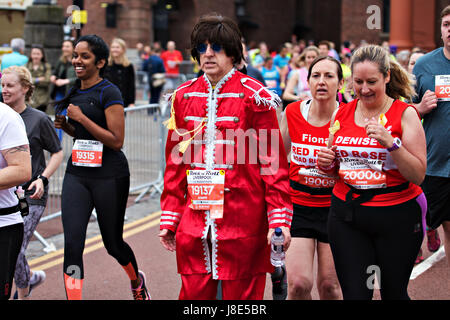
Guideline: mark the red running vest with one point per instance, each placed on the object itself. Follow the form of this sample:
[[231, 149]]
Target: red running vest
[[364, 163], [306, 141]]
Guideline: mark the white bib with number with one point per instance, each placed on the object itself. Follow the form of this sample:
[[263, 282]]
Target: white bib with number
[[442, 87], [87, 153], [206, 188]]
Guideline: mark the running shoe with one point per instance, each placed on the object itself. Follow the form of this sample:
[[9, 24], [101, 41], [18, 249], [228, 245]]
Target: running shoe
[[141, 293], [419, 258], [279, 283], [37, 279], [434, 242]]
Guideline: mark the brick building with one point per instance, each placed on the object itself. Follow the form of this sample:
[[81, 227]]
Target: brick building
[[405, 23]]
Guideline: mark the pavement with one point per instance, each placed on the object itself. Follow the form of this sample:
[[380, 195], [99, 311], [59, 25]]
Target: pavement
[[134, 212]]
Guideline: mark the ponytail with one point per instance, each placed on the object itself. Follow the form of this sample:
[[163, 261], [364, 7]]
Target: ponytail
[[62, 104], [401, 84]]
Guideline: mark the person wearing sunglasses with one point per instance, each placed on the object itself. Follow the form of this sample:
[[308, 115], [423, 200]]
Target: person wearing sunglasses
[[226, 179]]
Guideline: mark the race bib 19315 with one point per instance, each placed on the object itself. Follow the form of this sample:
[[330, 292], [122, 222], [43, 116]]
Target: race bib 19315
[[87, 153], [206, 190]]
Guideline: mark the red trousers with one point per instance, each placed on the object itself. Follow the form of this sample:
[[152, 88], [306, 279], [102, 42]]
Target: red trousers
[[203, 287]]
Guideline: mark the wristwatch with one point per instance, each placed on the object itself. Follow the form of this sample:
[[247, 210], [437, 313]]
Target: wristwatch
[[397, 144], [44, 179]]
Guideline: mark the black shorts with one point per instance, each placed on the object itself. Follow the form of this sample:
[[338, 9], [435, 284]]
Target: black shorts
[[437, 192], [310, 222]]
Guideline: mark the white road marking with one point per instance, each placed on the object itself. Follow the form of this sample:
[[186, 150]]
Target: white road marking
[[427, 263]]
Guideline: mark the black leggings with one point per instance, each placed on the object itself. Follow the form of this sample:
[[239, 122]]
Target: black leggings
[[378, 240], [10, 242], [109, 197]]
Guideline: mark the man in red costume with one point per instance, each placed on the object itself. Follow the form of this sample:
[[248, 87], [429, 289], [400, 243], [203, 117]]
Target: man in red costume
[[226, 184]]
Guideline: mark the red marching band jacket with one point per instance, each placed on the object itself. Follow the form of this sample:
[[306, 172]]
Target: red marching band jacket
[[234, 128]]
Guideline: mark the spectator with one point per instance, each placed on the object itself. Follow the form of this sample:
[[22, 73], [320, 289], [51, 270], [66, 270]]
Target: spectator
[[172, 59], [120, 71], [63, 76], [41, 72], [154, 65], [17, 57]]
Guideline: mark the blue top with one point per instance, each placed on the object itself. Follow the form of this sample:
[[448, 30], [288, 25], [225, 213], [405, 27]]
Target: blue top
[[13, 59], [280, 61], [152, 65], [435, 123], [272, 78]]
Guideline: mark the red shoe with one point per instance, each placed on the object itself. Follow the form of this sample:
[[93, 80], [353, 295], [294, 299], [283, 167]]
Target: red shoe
[[419, 258], [434, 242]]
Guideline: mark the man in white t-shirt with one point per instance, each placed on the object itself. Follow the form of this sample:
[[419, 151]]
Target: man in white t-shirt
[[15, 169]]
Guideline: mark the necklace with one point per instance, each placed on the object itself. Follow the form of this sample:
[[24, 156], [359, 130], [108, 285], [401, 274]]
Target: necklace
[[377, 113]]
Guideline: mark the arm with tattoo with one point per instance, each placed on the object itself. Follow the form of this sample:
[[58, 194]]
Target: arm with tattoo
[[18, 170]]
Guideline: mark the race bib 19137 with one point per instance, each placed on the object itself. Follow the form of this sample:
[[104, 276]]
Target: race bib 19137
[[206, 190]]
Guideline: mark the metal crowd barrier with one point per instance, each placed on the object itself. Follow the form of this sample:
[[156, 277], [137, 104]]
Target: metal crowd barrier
[[145, 137]]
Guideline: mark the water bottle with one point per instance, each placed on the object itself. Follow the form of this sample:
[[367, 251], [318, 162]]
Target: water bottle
[[277, 253]]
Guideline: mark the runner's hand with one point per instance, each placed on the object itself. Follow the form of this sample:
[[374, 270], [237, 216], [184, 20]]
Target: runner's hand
[[74, 113], [378, 132], [167, 239], [39, 191], [287, 237], [428, 103], [60, 121]]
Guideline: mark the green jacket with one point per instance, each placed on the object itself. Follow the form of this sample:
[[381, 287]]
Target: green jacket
[[63, 71], [41, 95]]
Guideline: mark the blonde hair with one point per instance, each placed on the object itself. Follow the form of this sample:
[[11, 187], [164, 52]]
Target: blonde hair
[[301, 60], [25, 79], [401, 84], [123, 59]]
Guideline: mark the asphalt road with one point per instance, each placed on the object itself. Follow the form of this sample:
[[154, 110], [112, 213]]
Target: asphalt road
[[106, 280]]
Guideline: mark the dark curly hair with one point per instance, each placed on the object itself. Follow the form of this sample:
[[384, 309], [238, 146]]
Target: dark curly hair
[[214, 28]]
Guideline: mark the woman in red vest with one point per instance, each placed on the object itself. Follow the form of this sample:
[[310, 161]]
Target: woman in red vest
[[305, 130], [378, 210]]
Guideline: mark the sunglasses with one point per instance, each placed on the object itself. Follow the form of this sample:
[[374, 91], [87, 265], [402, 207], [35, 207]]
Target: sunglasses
[[202, 47]]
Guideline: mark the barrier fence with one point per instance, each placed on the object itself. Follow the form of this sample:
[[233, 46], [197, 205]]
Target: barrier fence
[[145, 137]]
